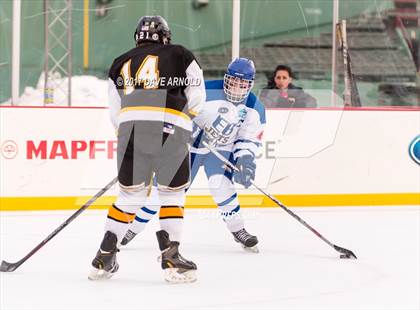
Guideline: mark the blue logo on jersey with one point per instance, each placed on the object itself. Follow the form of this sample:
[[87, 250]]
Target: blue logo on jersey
[[242, 113], [223, 126], [414, 149], [223, 110]]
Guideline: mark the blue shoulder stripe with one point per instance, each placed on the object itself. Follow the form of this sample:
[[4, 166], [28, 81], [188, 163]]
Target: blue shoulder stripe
[[214, 84], [214, 90], [254, 103]]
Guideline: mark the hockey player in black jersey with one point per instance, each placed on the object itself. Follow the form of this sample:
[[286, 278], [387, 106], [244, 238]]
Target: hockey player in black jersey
[[155, 89]]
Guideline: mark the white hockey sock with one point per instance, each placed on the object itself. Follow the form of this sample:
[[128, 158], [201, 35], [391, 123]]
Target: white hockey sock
[[146, 213], [225, 196], [122, 212], [233, 219], [171, 213], [173, 227], [117, 228], [143, 216]]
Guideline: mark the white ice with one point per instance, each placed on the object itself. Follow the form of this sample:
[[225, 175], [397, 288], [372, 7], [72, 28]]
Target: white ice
[[294, 269]]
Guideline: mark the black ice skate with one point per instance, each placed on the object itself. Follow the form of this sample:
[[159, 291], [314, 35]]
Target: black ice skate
[[176, 268], [128, 237], [105, 263], [248, 242]]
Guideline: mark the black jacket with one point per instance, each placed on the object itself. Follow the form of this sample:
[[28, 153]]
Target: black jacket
[[294, 97]]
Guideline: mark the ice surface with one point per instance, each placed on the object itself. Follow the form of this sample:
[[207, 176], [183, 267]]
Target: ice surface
[[294, 269]]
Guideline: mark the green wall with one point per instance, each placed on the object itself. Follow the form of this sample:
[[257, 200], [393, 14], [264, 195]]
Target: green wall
[[204, 30]]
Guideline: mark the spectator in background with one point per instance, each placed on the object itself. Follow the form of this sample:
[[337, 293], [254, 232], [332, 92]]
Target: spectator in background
[[281, 93]]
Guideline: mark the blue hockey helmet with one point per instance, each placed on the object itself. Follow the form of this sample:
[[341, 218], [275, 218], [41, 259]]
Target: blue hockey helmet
[[239, 79]]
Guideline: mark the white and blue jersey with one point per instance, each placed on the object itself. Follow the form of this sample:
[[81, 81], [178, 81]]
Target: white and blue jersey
[[236, 130]]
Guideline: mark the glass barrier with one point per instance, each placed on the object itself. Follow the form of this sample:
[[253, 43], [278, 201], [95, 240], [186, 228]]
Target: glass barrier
[[382, 38], [381, 44]]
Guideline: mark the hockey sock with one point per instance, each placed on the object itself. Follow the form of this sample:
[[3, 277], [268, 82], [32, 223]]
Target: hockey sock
[[171, 214], [171, 220], [122, 212], [143, 216], [232, 217]]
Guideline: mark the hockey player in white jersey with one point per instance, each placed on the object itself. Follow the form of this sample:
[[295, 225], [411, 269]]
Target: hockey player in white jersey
[[232, 120]]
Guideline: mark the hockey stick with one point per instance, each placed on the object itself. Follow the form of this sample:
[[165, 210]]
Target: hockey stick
[[355, 96], [279, 179], [345, 253], [343, 44], [351, 92], [9, 267]]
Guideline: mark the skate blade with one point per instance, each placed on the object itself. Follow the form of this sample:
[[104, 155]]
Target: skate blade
[[172, 275], [99, 274], [252, 249]]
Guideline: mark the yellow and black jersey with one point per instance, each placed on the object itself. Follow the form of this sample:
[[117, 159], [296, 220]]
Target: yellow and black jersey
[[157, 87]]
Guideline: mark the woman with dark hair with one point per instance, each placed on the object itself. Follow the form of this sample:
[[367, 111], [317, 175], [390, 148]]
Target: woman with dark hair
[[281, 93]]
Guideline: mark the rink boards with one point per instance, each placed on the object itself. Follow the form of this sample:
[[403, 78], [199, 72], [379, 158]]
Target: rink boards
[[57, 158]]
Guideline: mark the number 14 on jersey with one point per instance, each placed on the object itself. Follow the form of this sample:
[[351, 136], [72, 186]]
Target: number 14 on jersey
[[146, 75]]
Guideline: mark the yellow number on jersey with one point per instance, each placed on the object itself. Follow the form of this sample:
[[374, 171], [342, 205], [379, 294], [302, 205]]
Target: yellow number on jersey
[[127, 79], [147, 74]]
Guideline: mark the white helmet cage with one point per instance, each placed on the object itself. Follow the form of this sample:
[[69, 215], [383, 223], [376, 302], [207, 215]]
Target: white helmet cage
[[236, 89]]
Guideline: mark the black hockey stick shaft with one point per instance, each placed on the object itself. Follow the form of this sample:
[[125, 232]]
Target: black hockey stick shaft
[[351, 92], [344, 251], [355, 96], [9, 267], [342, 36]]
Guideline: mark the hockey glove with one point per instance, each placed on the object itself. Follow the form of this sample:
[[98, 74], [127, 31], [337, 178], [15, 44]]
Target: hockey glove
[[246, 173]]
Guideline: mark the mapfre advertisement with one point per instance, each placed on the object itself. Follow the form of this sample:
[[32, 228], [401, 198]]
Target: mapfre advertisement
[[60, 152]]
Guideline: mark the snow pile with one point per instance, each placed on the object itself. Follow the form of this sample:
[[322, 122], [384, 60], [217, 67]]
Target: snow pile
[[86, 91]]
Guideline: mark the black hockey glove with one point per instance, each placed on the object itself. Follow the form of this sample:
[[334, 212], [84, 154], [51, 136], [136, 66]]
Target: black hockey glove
[[246, 173]]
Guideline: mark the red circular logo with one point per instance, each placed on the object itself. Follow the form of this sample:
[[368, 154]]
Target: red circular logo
[[9, 149]]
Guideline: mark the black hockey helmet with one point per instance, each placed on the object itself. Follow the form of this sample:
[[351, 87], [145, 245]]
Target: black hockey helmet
[[152, 29]]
